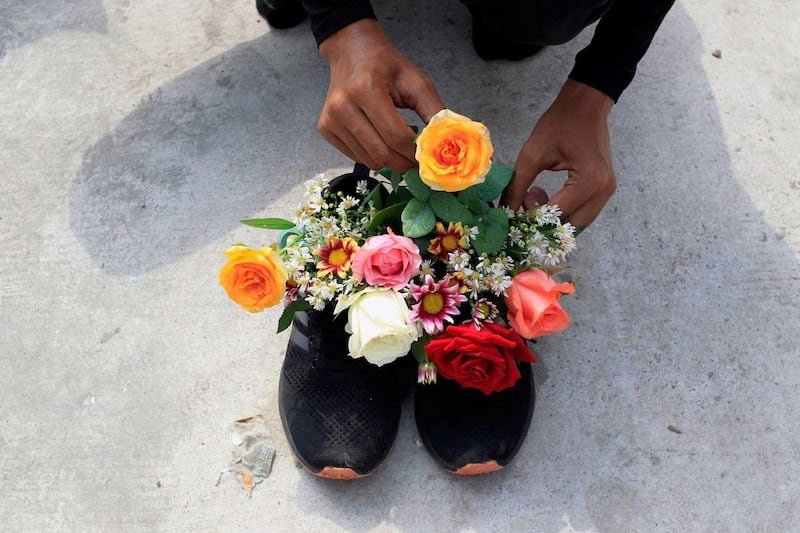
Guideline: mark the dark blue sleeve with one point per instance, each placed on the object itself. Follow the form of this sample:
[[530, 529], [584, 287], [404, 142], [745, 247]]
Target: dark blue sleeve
[[620, 40]]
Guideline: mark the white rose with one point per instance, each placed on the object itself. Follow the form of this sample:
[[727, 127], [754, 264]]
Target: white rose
[[379, 325]]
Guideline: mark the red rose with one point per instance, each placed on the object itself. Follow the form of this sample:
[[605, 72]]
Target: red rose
[[484, 359]]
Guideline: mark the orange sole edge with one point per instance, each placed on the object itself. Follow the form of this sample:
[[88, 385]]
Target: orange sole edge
[[473, 469], [331, 472], [334, 472]]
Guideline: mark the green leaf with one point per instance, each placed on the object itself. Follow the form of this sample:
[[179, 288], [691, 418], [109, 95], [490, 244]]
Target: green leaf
[[492, 231], [415, 129], [447, 207], [471, 198], [269, 223], [374, 196], [402, 195], [393, 176], [386, 216], [420, 191], [288, 313], [579, 230], [418, 349], [496, 180], [418, 219]]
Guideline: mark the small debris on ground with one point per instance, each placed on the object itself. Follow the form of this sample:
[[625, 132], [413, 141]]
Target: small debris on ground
[[251, 460], [674, 429], [716, 52], [158, 484]]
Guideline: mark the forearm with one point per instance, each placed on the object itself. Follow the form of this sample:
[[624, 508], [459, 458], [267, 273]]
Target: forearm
[[621, 39]]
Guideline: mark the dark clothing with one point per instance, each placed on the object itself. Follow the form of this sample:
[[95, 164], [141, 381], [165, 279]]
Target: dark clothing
[[608, 64]]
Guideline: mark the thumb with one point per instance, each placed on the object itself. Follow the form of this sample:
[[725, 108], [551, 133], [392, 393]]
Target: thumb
[[529, 165]]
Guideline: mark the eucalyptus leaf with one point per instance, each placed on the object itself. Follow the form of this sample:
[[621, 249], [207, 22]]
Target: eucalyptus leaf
[[496, 180], [374, 196], [418, 219], [492, 231], [447, 207], [288, 313], [269, 223], [471, 198], [402, 195], [420, 191], [386, 216]]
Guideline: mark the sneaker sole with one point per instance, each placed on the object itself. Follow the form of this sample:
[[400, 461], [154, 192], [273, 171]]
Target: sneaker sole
[[474, 469]]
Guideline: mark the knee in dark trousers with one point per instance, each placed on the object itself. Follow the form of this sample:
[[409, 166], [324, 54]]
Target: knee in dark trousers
[[538, 22]]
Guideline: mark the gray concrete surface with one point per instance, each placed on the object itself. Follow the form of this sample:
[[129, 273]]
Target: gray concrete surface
[[134, 135]]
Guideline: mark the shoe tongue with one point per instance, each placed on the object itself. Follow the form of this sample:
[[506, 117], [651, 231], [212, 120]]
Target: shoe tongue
[[331, 337]]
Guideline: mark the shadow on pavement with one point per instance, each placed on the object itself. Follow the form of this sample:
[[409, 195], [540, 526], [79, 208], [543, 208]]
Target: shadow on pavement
[[26, 21]]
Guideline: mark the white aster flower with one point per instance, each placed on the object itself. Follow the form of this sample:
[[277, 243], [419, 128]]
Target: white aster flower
[[425, 269], [348, 202], [315, 185], [459, 261], [317, 203], [547, 215], [361, 187], [514, 235]]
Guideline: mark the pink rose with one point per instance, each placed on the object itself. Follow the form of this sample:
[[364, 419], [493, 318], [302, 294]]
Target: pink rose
[[387, 261], [533, 307]]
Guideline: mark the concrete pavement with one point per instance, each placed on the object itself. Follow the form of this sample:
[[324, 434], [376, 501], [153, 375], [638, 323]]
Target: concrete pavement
[[136, 134]]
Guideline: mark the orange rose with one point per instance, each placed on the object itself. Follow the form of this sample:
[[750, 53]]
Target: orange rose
[[533, 307], [453, 152], [254, 279]]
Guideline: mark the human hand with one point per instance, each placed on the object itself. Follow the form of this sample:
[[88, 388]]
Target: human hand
[[370, 79], [572, 135]]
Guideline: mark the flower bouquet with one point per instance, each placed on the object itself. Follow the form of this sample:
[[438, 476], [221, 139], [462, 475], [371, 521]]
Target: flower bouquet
[[424, 263]]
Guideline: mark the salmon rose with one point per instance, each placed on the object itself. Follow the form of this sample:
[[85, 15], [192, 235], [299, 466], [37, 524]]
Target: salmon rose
[[453, 152], [533, 304], [254, 279]]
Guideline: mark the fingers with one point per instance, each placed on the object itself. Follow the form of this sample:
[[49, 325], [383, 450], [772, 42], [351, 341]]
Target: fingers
[[344, 124], [396, 144], [419, 93], [536, 196], [585, 213], [530, 163], [584, 195]]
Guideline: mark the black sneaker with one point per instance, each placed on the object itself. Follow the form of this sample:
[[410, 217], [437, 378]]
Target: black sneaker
[[468, 432], [340, 414], [281, 14]]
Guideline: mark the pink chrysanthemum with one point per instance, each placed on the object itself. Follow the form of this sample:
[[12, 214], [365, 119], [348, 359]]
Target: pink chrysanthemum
[[483, 311], [336, 256], [436, 303]]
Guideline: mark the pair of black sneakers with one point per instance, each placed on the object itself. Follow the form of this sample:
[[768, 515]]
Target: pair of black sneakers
[[341, 414]]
